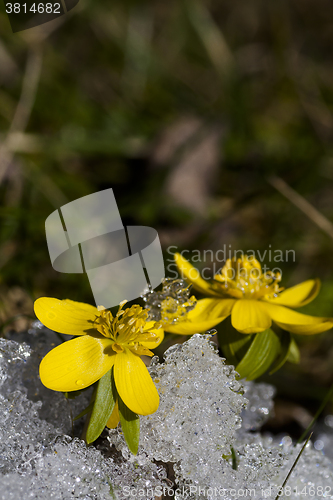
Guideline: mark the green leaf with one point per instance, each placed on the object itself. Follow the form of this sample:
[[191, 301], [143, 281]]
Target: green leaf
[[234, 459], [112, 493], [130, 424], [260, 355], [233, 344], [294, 356], [103, 406], [285, 339]]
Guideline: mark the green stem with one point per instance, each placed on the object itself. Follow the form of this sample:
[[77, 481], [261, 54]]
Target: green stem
[[234, 458], [71, 415], [86, 423], [320, 409], [293, 467]]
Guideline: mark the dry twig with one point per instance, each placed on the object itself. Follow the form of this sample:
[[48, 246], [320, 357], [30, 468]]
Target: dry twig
[[24, 106], [319, 219]]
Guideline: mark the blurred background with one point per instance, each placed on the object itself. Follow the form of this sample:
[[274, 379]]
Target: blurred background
[[212, 121]]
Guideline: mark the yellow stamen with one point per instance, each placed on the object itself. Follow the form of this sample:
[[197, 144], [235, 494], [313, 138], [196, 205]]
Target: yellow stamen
[[117, 348], [243, 278], [126, 328]]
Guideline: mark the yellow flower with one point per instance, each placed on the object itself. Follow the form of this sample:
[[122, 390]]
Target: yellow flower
[[104, 341], [252, 298]]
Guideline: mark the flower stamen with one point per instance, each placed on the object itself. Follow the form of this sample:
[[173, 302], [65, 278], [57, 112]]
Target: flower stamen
[[126, 328], [243, 278]]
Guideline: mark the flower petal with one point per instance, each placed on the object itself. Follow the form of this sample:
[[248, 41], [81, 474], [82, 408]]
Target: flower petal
[[114, 417], [296, 322], [134, 384], [298, 295], [192, 275], [77, 363], [250, 316], [159, 332], [66, 316], [206, 314]]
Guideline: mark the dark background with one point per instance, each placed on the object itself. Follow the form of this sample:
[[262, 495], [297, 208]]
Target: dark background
[[212, 121]]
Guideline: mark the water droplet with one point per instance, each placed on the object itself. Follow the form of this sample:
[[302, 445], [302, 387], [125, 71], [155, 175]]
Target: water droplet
[[80, 382]]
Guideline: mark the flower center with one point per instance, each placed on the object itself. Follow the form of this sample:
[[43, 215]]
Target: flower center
[[126, 328], [243, 278], [118, 348]]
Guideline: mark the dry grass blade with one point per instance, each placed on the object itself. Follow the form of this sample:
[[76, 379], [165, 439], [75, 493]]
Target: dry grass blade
[[137, 50], [25, 104], [211, 36], [319, 219]]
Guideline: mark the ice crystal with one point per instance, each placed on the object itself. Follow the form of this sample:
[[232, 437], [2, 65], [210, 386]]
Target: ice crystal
[[172, 303], [198, 422], [263, 464], [37, 461], [20, 364], [67, 468], [259, 407], [190, 438], [323, 436], [22, 433], [199, 412]]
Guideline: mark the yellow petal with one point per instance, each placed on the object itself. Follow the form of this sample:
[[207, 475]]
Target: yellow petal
[[134, 384], [159, 332], [76, 364], [296, 322], [206, 314], [250, 316], [114, 417], [192, 275], [298, 295], [66, 316]]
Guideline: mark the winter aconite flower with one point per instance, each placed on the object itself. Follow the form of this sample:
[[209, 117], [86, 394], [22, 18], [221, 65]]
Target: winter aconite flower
[[253, 298], [103, 341]]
